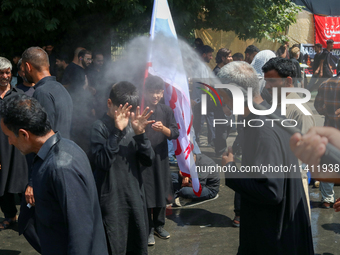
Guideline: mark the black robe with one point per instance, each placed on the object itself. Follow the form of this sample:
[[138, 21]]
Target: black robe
[[274, 212], [13, 173], [157, 178], [116, 157], [67, 211]]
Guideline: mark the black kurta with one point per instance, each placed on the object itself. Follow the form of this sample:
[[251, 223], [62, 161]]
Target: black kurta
[[274, 213], [13, 173], [68, 217], [116, 157], [157, 178], [57, 103]]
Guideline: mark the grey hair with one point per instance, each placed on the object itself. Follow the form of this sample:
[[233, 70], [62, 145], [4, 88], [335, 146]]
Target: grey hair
[[242, 74], [19, 63], [5, 63]]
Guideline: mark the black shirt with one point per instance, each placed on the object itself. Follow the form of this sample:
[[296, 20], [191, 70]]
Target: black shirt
[[95, 77], [74, 76], [326, 55], [53, 67], [57, 102], [68, 216], [316, 62], [216, 70], [27, 90]]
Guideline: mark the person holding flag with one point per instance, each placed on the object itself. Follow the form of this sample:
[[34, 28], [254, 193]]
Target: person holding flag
[[168, 65]]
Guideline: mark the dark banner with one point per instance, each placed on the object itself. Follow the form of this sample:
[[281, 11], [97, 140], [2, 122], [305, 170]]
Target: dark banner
[[329, 7]]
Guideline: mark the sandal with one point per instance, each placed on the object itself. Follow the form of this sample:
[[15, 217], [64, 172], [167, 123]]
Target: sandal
[[236, 221], [7, 223]]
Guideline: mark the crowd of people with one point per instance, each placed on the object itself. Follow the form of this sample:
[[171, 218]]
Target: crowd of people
[[92, 167]]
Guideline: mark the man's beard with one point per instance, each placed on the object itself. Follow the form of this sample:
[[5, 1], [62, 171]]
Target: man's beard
[[25, 79], [28, 78], [84, 63]]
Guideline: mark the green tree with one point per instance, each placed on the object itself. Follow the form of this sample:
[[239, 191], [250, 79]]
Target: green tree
[[71, 23]]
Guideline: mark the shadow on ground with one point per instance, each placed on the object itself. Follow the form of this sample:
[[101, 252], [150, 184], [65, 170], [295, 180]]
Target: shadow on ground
[[335, 227], [8, 252], [199, 217]]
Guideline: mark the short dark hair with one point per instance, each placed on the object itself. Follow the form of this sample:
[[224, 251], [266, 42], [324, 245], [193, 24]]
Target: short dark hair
[[82, 53], [95, 53], [37, 57], [281, 50], [330, 41], [205, 49], [124, 92], [222, 53], [63, 57], [238, 56], [17, 54], [251, 49], [318, 45], [24, 112], [198, 42], [154, 83], [284, 67]]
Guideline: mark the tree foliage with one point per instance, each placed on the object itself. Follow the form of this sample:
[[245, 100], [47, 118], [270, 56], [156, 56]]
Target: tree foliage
[[70, 22]]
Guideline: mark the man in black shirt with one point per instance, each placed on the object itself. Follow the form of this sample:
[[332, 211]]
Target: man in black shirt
[[315, 81], [250, 53], [26, 87], [50, 93], [67, 211], [74, 75], [52, 96], [325, 67], [98, 83], [62, 62], [223, 57], [95, 71], [51, 58], [83, 101]]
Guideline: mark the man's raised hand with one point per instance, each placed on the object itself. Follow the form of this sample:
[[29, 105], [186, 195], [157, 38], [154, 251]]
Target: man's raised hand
[[121, 116], [140, 121]]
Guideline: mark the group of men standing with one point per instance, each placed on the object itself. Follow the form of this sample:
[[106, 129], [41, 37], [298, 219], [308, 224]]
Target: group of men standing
[[63, 192], [69, 207]]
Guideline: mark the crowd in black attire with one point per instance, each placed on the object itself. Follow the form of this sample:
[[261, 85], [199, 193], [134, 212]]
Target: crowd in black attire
[[77, 107]]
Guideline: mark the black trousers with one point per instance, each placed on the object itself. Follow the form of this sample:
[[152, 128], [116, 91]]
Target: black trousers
[[156, 217], [7, 205], [237, 204]]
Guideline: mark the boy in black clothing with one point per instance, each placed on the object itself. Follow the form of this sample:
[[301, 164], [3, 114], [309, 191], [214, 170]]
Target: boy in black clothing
[[118, 147], [157, 178]]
